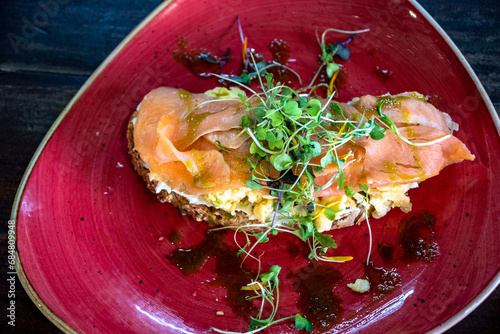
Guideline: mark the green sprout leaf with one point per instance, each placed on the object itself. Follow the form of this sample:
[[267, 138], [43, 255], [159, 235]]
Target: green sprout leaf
[[302, 101], [318, 169], [341, 177], [326, 56], [276, 144], [330, 213], [260, 133], [254, 149], [325, 240], [256, 323], [287, 93], [282, 161], [303, 323], [377, 132], [327, 160], [253, 185], [271, 275], [313, 107], [244, 100], [315, 148], [309, 174], [251, 163], [276, 118], [269, 81], [244, 78], [292, 109], [309, 150], [242, 250], [262, 235], [271, 137], [335, 107], [287, 205], [259, 112], [331, 68], [363, 187], [246, 121], [307, 228], [349, 191], [313, 125]]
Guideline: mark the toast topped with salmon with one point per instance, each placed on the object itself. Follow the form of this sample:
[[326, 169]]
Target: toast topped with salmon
[[285, 159]]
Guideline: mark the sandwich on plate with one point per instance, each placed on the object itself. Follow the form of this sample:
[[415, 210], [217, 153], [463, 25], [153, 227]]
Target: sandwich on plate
[[282, 159]]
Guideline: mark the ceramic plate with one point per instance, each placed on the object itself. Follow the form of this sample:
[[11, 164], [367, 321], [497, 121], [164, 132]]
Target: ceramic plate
[[94, 245]]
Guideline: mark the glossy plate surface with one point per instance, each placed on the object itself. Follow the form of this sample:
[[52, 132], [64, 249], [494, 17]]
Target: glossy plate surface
[[93, 242]]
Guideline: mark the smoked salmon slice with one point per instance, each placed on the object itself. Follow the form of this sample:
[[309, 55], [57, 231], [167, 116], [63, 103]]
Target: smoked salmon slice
[[171, 131], [196, 144]]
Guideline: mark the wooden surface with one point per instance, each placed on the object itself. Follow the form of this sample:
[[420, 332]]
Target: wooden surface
[[47, 53]]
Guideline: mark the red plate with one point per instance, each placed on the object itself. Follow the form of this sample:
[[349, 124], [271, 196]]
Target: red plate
[[92, 241]]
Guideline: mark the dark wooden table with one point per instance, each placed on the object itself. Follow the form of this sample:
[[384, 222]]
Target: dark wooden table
[[48, 49]]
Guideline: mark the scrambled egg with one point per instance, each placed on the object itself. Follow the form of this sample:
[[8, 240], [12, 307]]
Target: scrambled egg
[[384, 199], [261, 207], [255, 204], [381, 201]]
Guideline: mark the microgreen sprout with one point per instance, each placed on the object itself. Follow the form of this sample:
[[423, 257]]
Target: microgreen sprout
[[328, 51], [266, 288], [288, 130], [363, 201], [251, 68]]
